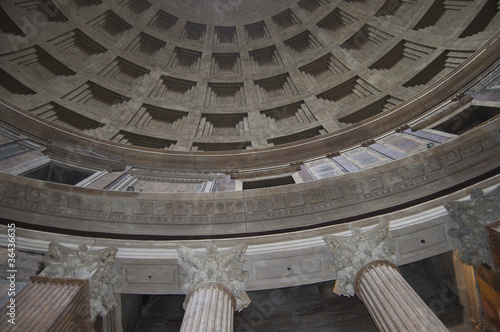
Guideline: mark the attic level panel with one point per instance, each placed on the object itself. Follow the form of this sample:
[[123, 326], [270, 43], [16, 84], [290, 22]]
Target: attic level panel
[[404, 143], [365, 158], [323, 168], [155, 186]]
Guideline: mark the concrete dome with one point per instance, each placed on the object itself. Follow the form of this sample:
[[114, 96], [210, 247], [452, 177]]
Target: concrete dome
[[147, 124]]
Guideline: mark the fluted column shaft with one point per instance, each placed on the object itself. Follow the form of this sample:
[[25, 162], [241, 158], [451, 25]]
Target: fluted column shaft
[[391, 302], [210, 308]]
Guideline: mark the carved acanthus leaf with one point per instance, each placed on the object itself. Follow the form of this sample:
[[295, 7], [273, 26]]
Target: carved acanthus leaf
[[472, 216], [351, 253], [97, 266], [223, 267]]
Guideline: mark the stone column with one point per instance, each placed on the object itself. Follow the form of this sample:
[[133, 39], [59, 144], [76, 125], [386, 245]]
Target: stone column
[[365, 265], [210, 307], [215, 286], [95, 266], [391, 302]]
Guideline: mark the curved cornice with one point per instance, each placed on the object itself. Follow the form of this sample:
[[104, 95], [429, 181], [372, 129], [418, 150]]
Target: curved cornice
[[273, 261], [395, 185]]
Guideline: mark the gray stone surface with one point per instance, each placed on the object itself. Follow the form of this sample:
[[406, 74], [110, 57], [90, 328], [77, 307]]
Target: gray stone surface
[[351, 253], [96, 266], [224, 267], [472, 217], [138, 72]]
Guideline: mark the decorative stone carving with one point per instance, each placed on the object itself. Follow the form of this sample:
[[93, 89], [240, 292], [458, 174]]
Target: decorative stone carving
[[402, 183], [63, 262], [223, 267], [351, 253], [472, 216]]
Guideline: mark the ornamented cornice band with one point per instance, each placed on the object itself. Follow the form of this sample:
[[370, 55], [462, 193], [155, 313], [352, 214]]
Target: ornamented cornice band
[[265, 210], [351, 253], [223, 267], [472, 216], [96, 266]]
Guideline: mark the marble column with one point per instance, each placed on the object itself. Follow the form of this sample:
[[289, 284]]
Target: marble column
[[365, 266], [391, 302], [95, 266], [215, 286]]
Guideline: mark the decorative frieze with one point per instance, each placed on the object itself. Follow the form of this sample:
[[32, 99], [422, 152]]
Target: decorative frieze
[[351, 253], [96, 266], [472, 217], [403, 176], [225, 267]]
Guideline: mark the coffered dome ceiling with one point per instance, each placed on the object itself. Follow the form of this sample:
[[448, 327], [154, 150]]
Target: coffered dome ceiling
[[198, 76], [151, 124]]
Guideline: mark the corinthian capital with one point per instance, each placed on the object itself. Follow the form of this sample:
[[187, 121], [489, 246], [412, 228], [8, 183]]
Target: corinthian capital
[[223, 267], [63, 262], [472, 216], [351, 253]]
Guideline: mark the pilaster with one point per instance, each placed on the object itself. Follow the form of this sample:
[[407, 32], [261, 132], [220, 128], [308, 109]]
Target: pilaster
[[473, 216], [96, 266]]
